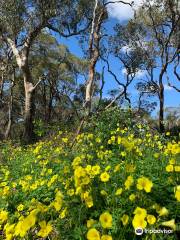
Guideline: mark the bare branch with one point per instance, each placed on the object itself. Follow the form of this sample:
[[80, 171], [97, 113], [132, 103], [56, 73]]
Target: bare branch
[[172, 86], [35, 86], [70, 34], [114, 100], [101, 89], [112, 2]]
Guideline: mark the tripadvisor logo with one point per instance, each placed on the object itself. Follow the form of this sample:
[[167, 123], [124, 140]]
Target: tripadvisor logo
[[139, 231]]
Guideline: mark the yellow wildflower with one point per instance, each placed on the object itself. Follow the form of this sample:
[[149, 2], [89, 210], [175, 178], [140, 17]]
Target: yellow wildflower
[[106, 220], [139, 222], [163, 211], [93, 234], [170, 223], [177, 193], [177, 168], [98, 140], [25, 224], [130, 168], [90, 223], [3, 216], [45, 229], [117, 168], [57, 205], [144, 183], [108, 168], [70, 192], [88, 169], [169, 168], [95, 170], [63, 213], [65, 140], [140, 212], [132, 197], [9, 230], [123, 154], [103, 192], [20, 229], [172, 161], [156, 155], [129, 182], [20, 207], [106, 237], [125, 219], [104, 177], [89, 201], [151, 219], [118, 191]]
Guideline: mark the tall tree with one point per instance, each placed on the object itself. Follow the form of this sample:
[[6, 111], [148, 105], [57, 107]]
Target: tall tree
[[96, 36], [155, 32], [160, 21], [20, 24], [60, 70]]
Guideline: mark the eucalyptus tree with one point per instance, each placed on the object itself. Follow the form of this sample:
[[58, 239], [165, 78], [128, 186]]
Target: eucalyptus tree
[[160, 20], [95, 44], [20, 24], [156, 35], [60, 70], [7, 67], [129, 57]]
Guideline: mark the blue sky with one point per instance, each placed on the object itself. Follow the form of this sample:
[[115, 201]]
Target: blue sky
[[118, 14]]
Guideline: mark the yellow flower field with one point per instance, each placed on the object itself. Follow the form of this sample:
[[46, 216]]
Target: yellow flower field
[[102, 188]]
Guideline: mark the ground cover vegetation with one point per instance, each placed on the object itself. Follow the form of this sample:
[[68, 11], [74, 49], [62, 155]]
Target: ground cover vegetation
[[89, 147], [105, 186]]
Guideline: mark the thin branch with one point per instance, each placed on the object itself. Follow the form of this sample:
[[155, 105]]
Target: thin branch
[[35, 86], [114, 100], [175, 69], [172, 85], [69, 34], [101, 89], [113, 74], [112, 2]]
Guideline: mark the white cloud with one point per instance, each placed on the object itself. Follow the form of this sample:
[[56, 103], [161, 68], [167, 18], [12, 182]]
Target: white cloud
[[167, 88], [139, 73], [122, 11], [124, 71], [125, 49]]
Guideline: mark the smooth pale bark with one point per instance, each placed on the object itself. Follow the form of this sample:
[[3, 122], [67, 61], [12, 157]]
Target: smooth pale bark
[[10, 112], [1, 84], [161, 108], [161, 98], [94, 53], [89, 86], [29, 110], [8, 129]]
